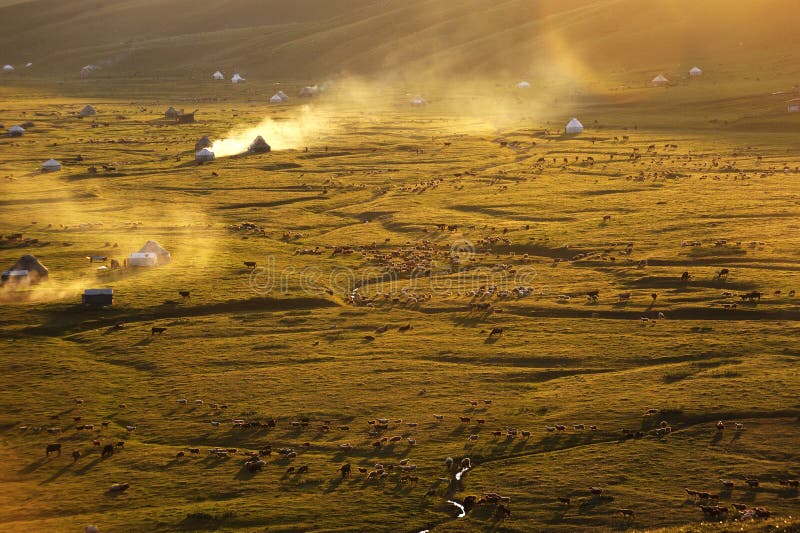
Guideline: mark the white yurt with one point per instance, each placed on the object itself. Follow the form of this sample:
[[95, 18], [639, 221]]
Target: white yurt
[[794, 105], [660, 81], [218, 75], [8, 68], [16, 131], [204, 155], [418, 101], [275, 99], [574, 127], [695, 71], [161, 253], [87, 111], [237, 79], [51, 165], [523, 85], [142, 259]]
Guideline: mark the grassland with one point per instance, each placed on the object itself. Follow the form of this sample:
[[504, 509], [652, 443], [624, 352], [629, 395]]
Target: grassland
[[377, 171]]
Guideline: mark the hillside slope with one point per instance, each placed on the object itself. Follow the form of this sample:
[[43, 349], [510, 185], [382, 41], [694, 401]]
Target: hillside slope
[[315, 38]]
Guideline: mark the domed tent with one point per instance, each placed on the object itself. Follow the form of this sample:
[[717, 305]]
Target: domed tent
[[794, 105], [695, 71], [660, 81], [418, 101], [8, 68], [16, 131], [259, 146], [237, 79], [27, 270], [87, 111], [218, 75], [161, 253], [523, 85], [204, 142], [277, 99], [51, 165], [204, 155], [574, 127], [171, 113]]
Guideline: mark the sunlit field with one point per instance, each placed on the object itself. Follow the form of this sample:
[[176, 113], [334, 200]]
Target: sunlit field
[[455, 280]]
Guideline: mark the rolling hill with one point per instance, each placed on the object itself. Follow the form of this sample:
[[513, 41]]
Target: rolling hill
[[315, 38]]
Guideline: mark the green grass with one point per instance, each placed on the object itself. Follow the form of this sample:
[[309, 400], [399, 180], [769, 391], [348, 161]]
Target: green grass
[[274, 354]]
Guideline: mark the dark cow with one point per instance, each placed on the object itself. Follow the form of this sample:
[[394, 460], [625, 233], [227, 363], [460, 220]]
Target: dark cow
[[53, 448], [158, 330], [250, 264], [496, 331]]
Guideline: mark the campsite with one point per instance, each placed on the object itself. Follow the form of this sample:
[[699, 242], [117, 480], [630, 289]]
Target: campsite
[[332, 301]]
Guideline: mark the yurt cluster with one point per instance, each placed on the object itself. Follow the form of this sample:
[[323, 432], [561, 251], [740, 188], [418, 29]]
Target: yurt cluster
[[29, 270]]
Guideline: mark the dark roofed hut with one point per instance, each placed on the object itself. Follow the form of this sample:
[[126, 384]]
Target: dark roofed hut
[[204, 142], [185, 118], [27, 270], [259, 146]]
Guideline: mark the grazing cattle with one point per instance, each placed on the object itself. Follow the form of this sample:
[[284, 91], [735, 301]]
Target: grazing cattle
[[180, 455], [685, 277], [597, 491], [624, 296], [728, 484], [565, 501], [627, 513], [404, 328], [108, 451], [158, 330], [496, 331], [95, 442], [793, 483], [119, 487], [52, 448], [76, 455], [345, 470], [722, 274], [593, 295], [186, 295], [250, 264], [120, 444], [465, 419], [752, 483]]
